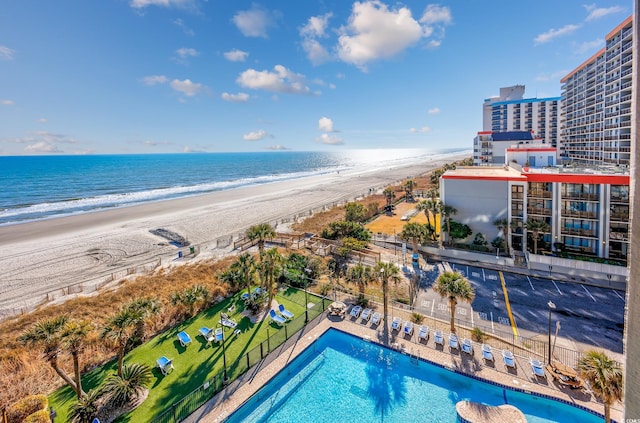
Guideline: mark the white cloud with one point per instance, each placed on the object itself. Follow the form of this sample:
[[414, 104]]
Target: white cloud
[[180, 23], [282, 80], [589, 46], [545, 37], [7, 102], [141, 4], [186, 87], [424, 129], [42, 147], [330, 139], [434, 111], [376, 32], [433, 44], [316, 52], [235, 98], [325, 124], [155, 79], [6, 53], [156, 143], [277, 147], [554, 76], [42, 142], [236, 55], [600, 12], [42, 120], [254, 136], [185, 52], [316, 26], [255, 22]]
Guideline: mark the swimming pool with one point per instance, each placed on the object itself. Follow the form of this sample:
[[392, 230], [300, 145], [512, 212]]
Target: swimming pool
[[342, 378]]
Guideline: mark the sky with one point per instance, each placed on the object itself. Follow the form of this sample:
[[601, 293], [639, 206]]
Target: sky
[[172, 76]]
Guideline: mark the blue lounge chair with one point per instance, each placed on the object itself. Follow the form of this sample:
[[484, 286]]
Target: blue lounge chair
[[453, 341], [206, 333], [226, 321], [537, 368], [487, 353], [375, 319], [218, 335], [408, 328], [276, 318], [165, 365], [355, 311], [467, 346], [396, 324], [285, 313], [366, 314], [438, 338], [509, 359], [184, 339], [423, 333]]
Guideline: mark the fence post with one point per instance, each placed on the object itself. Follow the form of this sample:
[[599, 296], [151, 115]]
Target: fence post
[[248, 362], [268, 341], [175, 419], [261, 352], [286, 336]]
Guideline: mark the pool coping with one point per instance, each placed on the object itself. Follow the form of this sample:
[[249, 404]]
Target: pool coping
[[223, 404]]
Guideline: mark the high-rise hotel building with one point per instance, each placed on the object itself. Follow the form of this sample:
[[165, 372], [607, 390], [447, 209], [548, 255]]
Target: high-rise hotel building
[[595, 125]]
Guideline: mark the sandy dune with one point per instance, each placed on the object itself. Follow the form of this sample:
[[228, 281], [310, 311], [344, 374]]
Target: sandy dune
[[47, 257]]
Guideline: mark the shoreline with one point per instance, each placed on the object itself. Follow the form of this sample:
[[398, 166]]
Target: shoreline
[[48, 255]]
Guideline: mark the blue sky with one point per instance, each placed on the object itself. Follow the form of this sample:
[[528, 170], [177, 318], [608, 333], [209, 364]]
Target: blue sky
[[168, 76]]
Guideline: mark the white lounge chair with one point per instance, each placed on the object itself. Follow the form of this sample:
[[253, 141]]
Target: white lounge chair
[[218, 335], [355, 311], [467, 346], [165, 365], [408, 328], [366, 314], [375, 319], [453, 341], [537, 368], [438, 338], [487, 353], [285, 313], [277, 318], [423, 333], [509, 359], [396, 324], [184, 339], [206, 333], [226, 321]]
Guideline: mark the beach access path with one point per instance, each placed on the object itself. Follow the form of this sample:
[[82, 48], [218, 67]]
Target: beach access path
[[49, 255]]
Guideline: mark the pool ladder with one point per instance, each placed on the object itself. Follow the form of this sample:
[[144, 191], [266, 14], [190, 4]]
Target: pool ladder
[[414, 356]]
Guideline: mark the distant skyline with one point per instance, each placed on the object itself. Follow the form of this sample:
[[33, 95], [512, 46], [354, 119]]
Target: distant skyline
[[170, 76]]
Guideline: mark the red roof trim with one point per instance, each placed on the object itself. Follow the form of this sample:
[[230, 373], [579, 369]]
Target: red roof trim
[[485, 178], [532, 149], [579, 178]]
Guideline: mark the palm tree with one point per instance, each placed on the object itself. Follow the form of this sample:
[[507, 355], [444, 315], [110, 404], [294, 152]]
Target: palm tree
[[270, 268], [605, 378], [260, 232], [360, 275], [389, 195], [386, 272], [408, 189], [430, 208], [86, 408], [415, 233], [125, 388], [143, 308], [74, 337], [187, 298], [433, 193], [46, 334], [536, 227], [246, 265], [503, 226], [446, 212], [119, 329], [456, 288]]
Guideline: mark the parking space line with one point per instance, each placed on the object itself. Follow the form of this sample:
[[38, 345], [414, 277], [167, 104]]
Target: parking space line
[[589, 293], [433, 303], [616, 292], [554, 283], [484, 279], [514, 328], [532, 288]]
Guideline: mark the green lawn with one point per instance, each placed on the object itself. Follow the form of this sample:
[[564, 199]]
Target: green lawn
[[199, 362]]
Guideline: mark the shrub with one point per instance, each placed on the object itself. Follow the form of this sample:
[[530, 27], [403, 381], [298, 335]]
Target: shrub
[[402, 300], [417, 318], [362, 301], [478, 335], [325, 288], [86, 408], [18, 411], [41, 416], [122, 390]]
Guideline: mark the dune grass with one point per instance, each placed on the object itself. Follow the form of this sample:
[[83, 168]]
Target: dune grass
[[200, 361]]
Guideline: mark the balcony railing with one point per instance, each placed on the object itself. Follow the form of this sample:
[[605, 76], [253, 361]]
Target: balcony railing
[[580, 214], [539, 194], [619, 236], [579, 232], [580, 196]]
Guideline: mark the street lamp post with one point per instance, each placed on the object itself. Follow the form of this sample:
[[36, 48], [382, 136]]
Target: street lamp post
[[552, 306], [306, 299], [224, 354]]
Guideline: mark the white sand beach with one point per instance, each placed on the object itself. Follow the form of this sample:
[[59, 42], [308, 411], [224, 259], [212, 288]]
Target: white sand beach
[[48, 256]]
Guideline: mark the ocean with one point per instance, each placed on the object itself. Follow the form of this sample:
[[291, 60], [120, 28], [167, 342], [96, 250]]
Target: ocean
[[44, 187]]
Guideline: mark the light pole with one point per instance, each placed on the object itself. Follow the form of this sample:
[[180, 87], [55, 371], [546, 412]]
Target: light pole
[[306, 300], [224, 354], [552, 306]]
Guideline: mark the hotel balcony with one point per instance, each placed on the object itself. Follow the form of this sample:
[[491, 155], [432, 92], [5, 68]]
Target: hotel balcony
[[619, 216], [619, 236], [539, 194], [539, 211], [580, 214], [580, 196], [590, 233]]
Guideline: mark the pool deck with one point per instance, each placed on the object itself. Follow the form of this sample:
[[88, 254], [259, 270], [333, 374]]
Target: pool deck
[[224, 403]]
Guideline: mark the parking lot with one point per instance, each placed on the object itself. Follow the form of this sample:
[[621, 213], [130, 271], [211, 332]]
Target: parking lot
[[588, 315]]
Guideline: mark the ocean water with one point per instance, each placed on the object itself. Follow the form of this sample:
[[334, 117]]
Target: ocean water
[[43, 187]]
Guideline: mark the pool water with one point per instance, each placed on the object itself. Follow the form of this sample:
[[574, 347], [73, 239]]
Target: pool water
[[341, 378]]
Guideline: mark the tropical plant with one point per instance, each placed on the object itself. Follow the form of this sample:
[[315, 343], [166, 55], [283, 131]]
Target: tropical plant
[[389, 196], [537, 228], [503, 226], [433, 193], [430, 208], [604, 377], [446, 212], [188, 299], [74, 338], [343, 229], [477, 334], [270, 269], [119, 329], [86, 408], [386, 272], [142, 310], [414, 233], [23, 408], [246, 265], [126, 388], [417, 318], [46, 334], [458, 231], [354, 212], [456, 288], [261, 232], [479, 239], [408, 189], [360, 275]]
